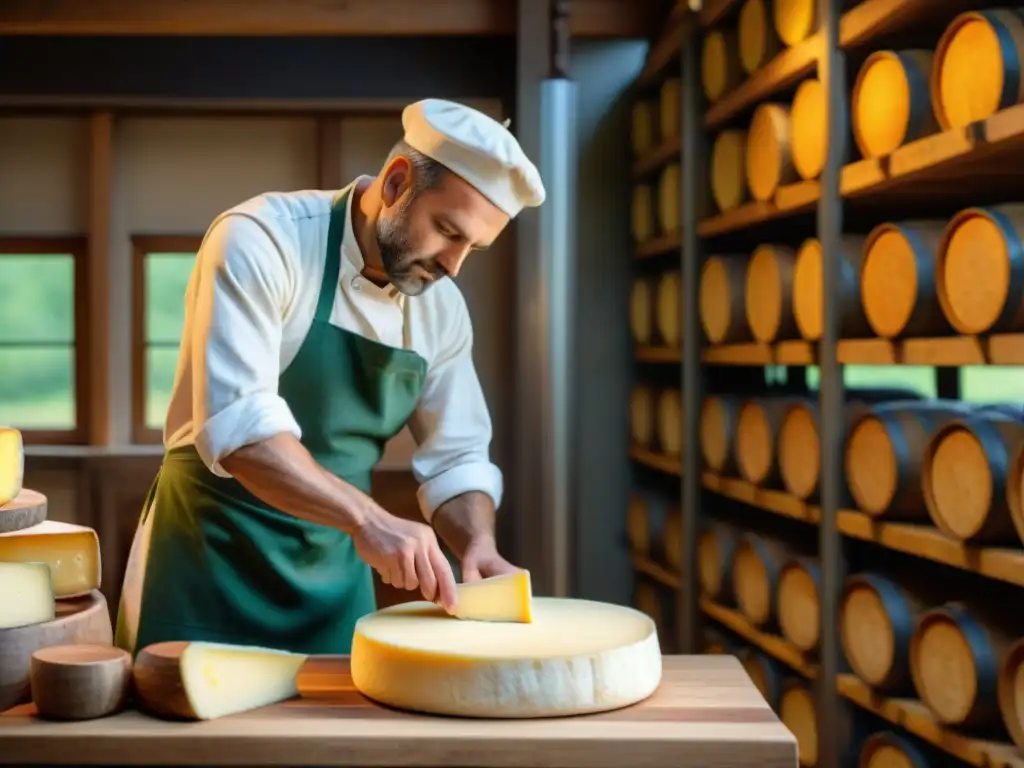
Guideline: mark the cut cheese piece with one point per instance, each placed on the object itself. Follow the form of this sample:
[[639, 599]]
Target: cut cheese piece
[[577, 656], [12, 464], [499, 598], [71, 551], [203, 681], [27, 594]]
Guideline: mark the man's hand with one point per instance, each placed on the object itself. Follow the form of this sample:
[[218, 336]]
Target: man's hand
[[481, 560], [406, 555], [466, 523]]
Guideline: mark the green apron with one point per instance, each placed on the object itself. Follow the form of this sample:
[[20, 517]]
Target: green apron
[[212, 562]]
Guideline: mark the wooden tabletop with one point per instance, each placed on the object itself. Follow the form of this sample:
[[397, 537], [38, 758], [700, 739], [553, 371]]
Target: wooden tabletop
[[706, 712]]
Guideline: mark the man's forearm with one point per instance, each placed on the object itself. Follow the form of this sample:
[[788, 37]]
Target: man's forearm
[[463, 518], [282, 473]]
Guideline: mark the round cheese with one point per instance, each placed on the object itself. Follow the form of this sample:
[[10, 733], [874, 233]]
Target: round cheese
[[575, 657]]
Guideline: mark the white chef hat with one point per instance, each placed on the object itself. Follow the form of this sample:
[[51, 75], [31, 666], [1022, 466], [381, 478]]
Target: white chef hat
[[476, 147]]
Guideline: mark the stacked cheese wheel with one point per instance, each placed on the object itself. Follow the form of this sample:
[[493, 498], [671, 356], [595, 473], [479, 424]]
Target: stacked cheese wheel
[[50, 577]]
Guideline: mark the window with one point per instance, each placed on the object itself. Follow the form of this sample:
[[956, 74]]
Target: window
[[42, 334], [162, 268], [992, 383]]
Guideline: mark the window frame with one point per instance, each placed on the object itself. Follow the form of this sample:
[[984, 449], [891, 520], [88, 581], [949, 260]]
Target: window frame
[[142, 247], [77, 247]]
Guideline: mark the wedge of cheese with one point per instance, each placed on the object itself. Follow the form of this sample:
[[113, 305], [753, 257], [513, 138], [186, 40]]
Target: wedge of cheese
[[203, 681], [27, 594], [71, 551], [499, 598], [12, 464]]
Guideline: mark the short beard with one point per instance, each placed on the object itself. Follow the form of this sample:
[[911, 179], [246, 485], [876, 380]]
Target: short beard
[[397, 256]]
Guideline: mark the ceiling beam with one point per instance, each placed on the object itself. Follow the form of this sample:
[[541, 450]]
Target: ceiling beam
[[588, 18]]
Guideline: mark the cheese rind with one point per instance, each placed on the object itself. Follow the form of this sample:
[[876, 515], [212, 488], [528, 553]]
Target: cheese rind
[[205, 680], [71, 551], [499, 598], [27, 594], [576, 657], [12, 464]]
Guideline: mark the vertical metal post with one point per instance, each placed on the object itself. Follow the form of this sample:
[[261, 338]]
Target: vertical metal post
[[692, 136], [831, 70], [545, 244]]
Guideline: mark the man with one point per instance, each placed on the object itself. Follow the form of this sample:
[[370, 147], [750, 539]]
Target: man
[[318, 325]]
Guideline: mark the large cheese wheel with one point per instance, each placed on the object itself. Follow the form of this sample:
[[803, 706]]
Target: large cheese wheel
[[807, 140], [670, 99], [795, 20], [720, 69], [768, 160], [977, 68], [641, 313], [668, 317], [891, 105], [979, 272], [668, 199], [643, 127], [670, 421], [757, 38], [897, 279], [576, 656], [641, 415], [769, 293], [643, 213], [728, 170]]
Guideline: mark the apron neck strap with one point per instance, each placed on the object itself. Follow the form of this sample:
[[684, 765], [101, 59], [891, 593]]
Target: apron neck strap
[[332, 263]]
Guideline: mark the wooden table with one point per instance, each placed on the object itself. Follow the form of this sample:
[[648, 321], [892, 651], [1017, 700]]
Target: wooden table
[[706, 713]]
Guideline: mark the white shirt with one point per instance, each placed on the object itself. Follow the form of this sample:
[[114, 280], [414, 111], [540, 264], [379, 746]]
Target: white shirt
[[248, 307]]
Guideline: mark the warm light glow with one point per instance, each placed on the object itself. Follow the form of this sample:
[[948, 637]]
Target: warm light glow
[[694, 5]]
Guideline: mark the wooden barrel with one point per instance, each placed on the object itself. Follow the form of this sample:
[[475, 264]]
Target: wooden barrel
[[1011, 693], [956, 653], [888, 749], [768, 159], [757, 438], [758, 40], [884, 456], [670, 421], [717, 642], [652, 521], [716, 556], [669, 113], [729, 170], [799, 713], [668, 199], [720, 69], [757, 566], [641, 311], [641, 416], [799, 444], [979, 270], [967, 477], [643, 136], [807, 115], [722, 306], [795, 20], [807, 290], [668, 317], [769, 294], [897, 279], [799, 603], [718, 418], [977, 67], [877, 617], [891, 105], [767, 675], [643, 213]]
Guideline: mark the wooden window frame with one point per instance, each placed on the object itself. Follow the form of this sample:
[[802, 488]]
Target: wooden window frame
[[143, 246], [78, 248]]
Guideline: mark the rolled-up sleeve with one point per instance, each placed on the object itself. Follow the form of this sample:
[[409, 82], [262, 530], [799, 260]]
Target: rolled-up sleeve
[[452, 426], [235, 334]]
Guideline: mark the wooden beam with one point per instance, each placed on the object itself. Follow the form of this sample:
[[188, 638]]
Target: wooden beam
[[589, 18], [101, 180], [328, 129]]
